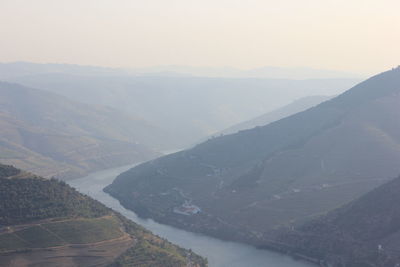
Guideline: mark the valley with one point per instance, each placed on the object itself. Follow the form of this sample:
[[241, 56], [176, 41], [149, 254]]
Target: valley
[[46, 222], [295, 165], [219, 253], [188, 109], [280, 175], [211, 133], [53, 136]]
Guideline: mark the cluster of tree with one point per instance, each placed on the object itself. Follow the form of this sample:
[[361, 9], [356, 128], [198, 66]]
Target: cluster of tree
[[33, 198], [7, 171], [25, 198]]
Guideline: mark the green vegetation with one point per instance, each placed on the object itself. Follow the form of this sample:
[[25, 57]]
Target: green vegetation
[[72, 231], [28, 199], [82, 231], [7, 171], [153, 251], [39, 237], [38, 213], [12, 242]]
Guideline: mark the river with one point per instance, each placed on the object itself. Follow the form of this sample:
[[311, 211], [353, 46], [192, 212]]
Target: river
[[219, 253]]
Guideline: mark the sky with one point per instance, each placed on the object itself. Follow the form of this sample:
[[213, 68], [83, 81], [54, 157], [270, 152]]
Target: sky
[[348, 35]]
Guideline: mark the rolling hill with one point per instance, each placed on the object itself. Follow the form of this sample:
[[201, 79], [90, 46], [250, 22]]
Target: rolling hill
[[45, 222], [188, 108], [51, 135], [252, 182]]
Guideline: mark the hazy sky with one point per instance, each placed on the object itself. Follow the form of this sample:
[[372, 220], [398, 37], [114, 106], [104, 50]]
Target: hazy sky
[[353, 35]]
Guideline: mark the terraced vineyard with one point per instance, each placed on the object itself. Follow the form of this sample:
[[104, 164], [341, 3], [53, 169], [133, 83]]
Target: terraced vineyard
[[48, 223], [52, 234]]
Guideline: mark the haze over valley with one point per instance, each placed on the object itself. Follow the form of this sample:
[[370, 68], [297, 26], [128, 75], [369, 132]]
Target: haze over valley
[[206, 133], [279, 175], [186, 108]]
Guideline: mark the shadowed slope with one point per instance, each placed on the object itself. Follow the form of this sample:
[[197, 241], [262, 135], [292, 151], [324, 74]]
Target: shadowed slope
[[364, 232]]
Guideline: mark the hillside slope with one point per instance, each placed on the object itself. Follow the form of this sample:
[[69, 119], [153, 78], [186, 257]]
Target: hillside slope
[[364, 232], [296, 106], [190, 108], [278, 174], [54, 136], [47, 223]]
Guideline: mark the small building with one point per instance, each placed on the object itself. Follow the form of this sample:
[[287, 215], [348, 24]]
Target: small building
[[187, 209]]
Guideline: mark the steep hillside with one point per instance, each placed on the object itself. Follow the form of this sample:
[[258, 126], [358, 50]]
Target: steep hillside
[[296, 106], [47, 223], [53, 136], [251, 182], [365, 232]]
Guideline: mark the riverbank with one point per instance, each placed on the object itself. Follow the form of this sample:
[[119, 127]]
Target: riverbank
[[209, 226], [219, 253]]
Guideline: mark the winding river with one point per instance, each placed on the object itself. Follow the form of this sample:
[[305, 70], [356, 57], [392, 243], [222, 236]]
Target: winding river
[[219, 253]]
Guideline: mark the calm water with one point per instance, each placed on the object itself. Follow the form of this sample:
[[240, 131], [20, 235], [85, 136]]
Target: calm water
[[219, 253]]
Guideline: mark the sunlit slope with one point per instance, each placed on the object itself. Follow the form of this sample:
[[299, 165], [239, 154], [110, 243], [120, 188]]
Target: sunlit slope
[[53, 136], [255, 180], [47, 223]]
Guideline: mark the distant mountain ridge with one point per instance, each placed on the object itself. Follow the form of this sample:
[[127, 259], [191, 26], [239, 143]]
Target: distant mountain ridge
[[278, 174], [268, 72], [54, 136], [13, 69], [188, 108], [16, 69]]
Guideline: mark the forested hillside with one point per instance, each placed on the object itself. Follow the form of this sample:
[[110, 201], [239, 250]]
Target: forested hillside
[[48, 223]]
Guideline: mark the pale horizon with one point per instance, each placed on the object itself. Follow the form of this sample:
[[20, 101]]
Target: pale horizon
[[359, 37]]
